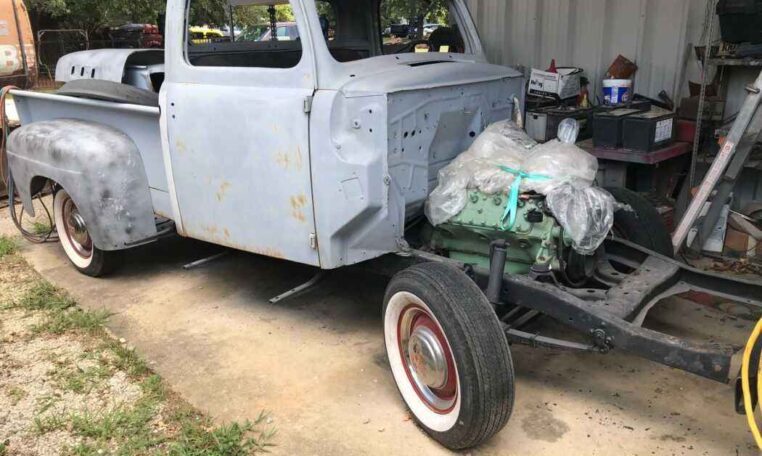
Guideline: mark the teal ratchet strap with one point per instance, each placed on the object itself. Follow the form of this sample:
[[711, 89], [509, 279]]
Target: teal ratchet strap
[[513, 199]]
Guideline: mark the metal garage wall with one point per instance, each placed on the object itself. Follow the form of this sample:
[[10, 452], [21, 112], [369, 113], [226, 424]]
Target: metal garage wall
[[656, 34]]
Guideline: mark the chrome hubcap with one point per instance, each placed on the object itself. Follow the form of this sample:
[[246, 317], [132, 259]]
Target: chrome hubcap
[[78, 228], [427, 358]]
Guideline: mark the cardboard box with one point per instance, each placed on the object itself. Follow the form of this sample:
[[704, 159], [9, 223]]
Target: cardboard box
[[741, 245], [562, 85]]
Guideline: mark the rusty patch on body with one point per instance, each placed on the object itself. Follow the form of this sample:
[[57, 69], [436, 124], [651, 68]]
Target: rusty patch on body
[[180, 147], [290, 160], [213, 234], [224, 187], [298, 203]]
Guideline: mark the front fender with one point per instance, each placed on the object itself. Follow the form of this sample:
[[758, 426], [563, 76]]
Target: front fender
[[101, 169]]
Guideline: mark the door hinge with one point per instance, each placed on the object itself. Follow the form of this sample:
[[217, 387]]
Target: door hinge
[[308, 104], [313, 241]]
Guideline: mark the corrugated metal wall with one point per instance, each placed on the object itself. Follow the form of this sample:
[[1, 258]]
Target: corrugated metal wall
[[656, 34]]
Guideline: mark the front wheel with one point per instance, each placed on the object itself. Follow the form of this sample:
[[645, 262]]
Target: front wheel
[[448, 354], [76, 241]]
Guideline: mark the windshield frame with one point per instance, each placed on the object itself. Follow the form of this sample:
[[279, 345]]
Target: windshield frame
[[332, 74]]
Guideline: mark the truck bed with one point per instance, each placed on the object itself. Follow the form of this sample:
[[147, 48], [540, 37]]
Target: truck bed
[[141, 123]]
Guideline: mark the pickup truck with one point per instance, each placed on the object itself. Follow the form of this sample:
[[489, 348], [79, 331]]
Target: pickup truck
[[323, 151]]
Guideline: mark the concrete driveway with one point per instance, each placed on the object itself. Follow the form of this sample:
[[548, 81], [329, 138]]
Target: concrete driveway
[[317, 362]]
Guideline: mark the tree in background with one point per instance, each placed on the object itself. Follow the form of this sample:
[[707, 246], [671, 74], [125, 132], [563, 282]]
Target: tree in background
[[394, 11], [92, 15]]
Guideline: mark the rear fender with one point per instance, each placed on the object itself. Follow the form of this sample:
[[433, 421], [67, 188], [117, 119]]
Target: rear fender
[[101, 169]]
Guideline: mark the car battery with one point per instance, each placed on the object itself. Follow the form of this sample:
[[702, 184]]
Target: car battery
[[639, 104], [542, 124], [650, 130], [607, 126]]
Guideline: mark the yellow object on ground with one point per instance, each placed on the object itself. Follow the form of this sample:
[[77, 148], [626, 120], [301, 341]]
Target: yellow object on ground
[[746, 383]]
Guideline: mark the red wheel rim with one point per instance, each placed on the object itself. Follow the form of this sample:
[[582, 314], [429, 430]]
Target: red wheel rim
[[75, 230], [431, 371]]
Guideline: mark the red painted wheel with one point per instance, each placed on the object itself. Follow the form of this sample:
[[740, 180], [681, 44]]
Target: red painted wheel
[[448, 354], [426, 355], [76, 240]]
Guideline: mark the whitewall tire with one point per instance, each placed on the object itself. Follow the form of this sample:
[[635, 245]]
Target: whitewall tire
[[448, 355]]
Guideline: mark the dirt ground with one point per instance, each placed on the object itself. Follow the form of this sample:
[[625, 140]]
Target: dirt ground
[[317, 362]]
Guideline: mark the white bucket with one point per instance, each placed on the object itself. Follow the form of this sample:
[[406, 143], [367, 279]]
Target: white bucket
[[617, 91]]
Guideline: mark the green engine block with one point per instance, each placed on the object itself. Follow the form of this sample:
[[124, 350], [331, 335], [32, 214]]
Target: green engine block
[[535, 238]]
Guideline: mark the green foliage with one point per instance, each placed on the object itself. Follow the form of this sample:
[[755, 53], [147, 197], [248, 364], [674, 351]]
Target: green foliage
[[16, 394], [44, 296], [8, 245], [93, 14], [61, 314], [80, 380], [41, 229], [75, 320], [215, 13], [196, 439], [127, 360], [394, 11]]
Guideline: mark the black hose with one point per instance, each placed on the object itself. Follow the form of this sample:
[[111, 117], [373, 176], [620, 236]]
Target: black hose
[[17, 218]]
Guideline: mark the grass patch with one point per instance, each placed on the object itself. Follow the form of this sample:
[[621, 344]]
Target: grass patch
[[41, 229], [62, 315], [8, 246], [4, 448], [126, 359], [44, 296], [49, 423], [73, 320], [197, 439], [81, 380], [16, 394]]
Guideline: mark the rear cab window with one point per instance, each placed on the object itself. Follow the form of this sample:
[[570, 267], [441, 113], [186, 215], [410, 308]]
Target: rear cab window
[[239, 33]]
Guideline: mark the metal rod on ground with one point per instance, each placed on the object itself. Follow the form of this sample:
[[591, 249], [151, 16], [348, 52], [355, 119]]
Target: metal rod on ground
[[204, 261], [301, 288]]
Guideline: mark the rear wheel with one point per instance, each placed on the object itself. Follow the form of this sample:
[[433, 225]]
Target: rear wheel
[[76, 241], [448, 354]]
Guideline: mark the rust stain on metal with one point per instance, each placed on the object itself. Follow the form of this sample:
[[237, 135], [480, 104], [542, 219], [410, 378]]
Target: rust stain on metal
[[211, 233], [210, 230], [298, 203], [180, 147], [288, 160], [224, 187]]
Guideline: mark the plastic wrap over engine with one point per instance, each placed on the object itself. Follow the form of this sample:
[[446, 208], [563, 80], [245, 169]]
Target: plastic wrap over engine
[[560, 163], [586, 214], [501, 144]]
